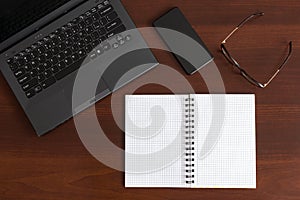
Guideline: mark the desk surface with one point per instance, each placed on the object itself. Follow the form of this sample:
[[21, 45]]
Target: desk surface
[[58, 167]]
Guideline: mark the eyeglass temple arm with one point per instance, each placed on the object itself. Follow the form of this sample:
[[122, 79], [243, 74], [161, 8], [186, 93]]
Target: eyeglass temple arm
[[282, 65], [258, 14]]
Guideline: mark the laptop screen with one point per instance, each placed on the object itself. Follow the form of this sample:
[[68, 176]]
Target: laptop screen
[[16, 15]]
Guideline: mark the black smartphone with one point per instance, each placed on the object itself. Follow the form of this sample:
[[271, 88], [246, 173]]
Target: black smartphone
[[192, 56]]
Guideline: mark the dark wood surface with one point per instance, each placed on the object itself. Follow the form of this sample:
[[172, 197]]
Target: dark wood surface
[[58, 167]]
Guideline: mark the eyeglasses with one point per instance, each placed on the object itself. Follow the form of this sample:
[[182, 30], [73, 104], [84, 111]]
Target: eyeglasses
[[237, 65]]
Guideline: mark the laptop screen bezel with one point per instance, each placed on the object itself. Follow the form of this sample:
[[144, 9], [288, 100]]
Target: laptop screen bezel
[[19, 36]]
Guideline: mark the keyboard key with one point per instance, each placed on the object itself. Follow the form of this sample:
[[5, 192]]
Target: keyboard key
[[41, 50], [88, 39], [68, 61], [95, 16], [75, 57], [54, 60], [20, 62], [88, 21], [93, 55], [48, 82], [30, 93], [89, 29], [88, 48], [103, 38], [69, 42], [75, 29], [54, 69], [19, 73], [115, 45], [76, 37], [100, 6], [61, 46], [30, 84], [47, 73], [82, 34], [94, 10], [81, 44], [61, 37], [106, 46], [87, 14], [41, 59], [68, 33], [70, 25], [40, 69], [48, 45], [128, 37], [96, 25], [81, 53], [9, 61], [106, 10], [47, 64], [81, 25], [114, 24], [122, 42], [75, 47], [103, 21], [27, 67], [27, 57], [41, 77], [13, 67], [76, 21], [33, 73], [68, 52], [55, 50], [116, 31], [95, 43], [24, 79], [112, 16], [61, 65], [38, 89], [102, 31], [119, 38], [100, 51], [55, 42], [48, 55], [34, 64], [106, 3], [75, 66], [61, 56]]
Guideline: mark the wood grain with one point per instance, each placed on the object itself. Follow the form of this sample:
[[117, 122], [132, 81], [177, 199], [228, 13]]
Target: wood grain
[[58, 167]]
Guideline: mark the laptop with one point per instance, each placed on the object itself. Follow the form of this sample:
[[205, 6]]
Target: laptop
[[43, 44]]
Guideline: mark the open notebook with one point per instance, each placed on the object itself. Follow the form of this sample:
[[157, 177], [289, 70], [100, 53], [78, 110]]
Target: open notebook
[[192, 141]]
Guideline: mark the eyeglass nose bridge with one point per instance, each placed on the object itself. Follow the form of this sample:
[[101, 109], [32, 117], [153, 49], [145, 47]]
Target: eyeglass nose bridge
[[229, 57]]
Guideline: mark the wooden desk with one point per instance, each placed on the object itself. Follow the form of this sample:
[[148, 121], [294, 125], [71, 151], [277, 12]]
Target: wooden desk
[[58, 167]]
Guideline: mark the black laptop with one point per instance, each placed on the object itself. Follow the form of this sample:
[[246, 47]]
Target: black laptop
[[43, 44]]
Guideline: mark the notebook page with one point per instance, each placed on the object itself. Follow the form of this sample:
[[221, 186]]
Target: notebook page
[[225, 147], [153, 142]]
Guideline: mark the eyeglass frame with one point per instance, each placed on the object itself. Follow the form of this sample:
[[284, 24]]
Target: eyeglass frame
[[231, 60]]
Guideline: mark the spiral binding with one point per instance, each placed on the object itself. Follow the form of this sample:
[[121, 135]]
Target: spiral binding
[[189, 141]]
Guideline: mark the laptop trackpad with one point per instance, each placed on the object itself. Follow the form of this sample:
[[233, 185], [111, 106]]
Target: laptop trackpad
[[83, 90], [128, 67]]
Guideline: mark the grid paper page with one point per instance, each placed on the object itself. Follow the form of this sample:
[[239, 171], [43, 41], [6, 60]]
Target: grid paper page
[[153, 143], [225, 129]]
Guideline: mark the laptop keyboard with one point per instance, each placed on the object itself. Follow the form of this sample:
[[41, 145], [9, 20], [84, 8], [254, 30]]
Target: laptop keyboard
[[63, 51]]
